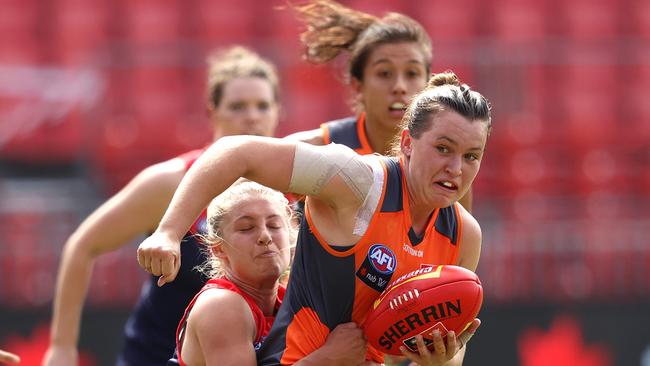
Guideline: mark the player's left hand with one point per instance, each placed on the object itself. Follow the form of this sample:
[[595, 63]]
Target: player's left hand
[[441, 353]]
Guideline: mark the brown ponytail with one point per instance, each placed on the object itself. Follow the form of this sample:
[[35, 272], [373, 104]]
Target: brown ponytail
[[333, 28]]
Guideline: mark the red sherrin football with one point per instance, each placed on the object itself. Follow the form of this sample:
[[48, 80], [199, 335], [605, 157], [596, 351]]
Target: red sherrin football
[[444, 296]]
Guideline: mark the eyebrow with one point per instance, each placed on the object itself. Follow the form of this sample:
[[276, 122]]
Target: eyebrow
[[382, 60], [452, 141], [247, 217]]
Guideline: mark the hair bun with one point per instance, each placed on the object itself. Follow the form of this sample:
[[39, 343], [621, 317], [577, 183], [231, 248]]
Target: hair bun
[[444, 78]]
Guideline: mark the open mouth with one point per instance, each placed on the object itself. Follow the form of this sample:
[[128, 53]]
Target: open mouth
[[447, 185], [397, 107]]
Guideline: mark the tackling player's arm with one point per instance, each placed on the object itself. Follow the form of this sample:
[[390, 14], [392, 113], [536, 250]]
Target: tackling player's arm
[[220, 331], [332, 175]]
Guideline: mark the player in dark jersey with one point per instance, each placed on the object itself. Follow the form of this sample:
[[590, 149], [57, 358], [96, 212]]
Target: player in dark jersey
[[250, 232], [242, 99], [368, 219], [390, 61]]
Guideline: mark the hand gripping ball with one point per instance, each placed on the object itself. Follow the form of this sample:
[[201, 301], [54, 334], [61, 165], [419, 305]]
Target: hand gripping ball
[[442, 297]]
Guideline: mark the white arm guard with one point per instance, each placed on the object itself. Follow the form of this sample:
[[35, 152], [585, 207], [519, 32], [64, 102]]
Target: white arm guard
[[315, 166]]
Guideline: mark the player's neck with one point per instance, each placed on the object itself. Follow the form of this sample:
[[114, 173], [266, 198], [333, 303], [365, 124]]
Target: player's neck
[[264, 293], [379, 138]]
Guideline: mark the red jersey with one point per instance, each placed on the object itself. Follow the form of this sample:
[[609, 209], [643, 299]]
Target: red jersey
[[262, 323]]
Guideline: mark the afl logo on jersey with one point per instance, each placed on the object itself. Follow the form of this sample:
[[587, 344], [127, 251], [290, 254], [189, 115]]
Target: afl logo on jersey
[[382, 259]]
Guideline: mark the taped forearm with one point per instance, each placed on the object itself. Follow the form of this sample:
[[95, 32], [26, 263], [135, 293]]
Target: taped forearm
[[314, 168]]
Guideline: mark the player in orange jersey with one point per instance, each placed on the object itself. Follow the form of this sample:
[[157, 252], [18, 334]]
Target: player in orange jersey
[[368, 219]]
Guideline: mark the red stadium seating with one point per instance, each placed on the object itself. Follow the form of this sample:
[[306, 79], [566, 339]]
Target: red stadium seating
[[19, 43], [519, 21], [589, 94], [153, 22], [639, 12], [80, 31], [158, 92], [222, 23], [18, 18], [378, 8], [309, 84], [634, 94], [448, 21], [48, 139], [588, 20]]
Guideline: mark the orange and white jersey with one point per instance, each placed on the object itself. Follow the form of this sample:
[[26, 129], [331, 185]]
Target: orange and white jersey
[[332, 285], [350, 131]]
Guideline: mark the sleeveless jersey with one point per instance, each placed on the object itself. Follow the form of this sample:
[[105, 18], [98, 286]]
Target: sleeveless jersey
[[151, 328], [350, 132], [262, 323], [329, 286]]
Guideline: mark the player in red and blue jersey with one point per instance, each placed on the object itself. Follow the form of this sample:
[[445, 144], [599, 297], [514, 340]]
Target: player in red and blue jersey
[[242, 99], [249, 236]]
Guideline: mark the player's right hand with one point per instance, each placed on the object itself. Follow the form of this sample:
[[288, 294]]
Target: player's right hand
[[161, 256], [346, 345]]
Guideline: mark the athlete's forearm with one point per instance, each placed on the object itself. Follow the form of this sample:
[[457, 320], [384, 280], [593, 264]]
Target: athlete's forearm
[[266, 161], [71, 288], [210, 175]]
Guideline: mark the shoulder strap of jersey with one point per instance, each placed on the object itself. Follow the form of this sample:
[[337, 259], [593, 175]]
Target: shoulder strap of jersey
[[393, 196], [447, 223], [341, 131]]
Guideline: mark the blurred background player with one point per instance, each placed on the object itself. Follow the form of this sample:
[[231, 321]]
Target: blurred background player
[[406, 203], [242, 99], [389, 62]]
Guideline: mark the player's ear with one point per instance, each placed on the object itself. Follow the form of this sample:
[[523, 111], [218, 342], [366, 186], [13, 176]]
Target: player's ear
[[217, 250], [356, 85], [406, 142]]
